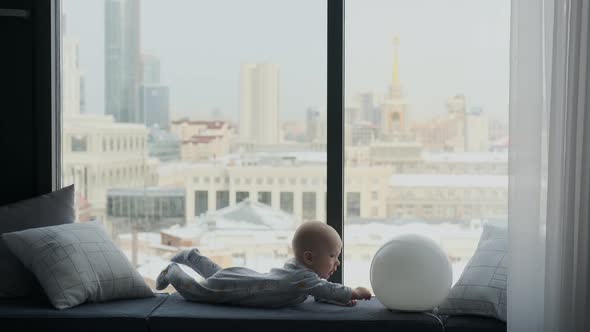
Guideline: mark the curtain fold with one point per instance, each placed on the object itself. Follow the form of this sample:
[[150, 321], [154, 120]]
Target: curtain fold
[[526, 222], [568, 231], [549, 164]]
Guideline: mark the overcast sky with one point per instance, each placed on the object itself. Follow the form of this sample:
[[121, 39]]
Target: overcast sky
[[446, 47]]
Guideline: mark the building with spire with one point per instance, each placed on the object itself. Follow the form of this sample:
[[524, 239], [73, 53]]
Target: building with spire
[[394, 111]]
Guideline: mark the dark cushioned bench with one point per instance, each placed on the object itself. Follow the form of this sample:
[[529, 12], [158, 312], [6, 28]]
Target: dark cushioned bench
[[39, 315], [173, 313], [176, 314], [473, 323]]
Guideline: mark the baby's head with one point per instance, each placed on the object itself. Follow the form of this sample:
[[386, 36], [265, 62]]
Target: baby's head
[[317, 246]]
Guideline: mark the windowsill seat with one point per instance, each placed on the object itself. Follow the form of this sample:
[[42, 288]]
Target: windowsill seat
[[180, 315], [173, 313], [38, 315]]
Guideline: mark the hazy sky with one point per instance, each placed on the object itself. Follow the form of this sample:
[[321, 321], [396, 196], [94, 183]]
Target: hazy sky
[[447, 47]]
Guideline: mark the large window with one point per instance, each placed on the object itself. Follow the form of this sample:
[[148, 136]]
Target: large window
[[198, 112], [190, 107]]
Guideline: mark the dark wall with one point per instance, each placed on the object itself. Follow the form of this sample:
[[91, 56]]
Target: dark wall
[[25, 100]]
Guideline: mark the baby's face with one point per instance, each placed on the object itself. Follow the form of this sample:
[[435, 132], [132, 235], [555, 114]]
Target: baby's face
[[325, 261]]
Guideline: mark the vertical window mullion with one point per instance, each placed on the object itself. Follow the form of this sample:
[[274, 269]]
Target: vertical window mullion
[[335, 107]]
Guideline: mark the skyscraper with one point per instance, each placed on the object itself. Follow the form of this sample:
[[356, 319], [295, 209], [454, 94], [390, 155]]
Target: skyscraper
[[154, 102], [368, 111], [259, 103], [311, 127], [71, 73], [122, 60], [150, 69], [71, 84], [82, 94], [154, 97]]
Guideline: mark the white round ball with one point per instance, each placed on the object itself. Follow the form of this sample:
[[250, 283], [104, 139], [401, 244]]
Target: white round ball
[[411, 273]]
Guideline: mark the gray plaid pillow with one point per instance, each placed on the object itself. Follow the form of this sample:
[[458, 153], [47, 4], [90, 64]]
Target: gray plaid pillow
[[55, 208], [481, 289], [76, 263]]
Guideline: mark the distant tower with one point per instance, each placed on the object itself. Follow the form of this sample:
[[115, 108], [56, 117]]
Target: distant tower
[[155, 104], [82, 93], [394, 119], [259, 103], [71, 74], [368, 111], [456, 105], [396, 86], [150, 69], [216, 114], [122, 60], [154, 97], [71, 81], [312, 122]]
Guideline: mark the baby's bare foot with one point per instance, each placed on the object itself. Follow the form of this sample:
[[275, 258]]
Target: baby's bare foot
[[162, 280]]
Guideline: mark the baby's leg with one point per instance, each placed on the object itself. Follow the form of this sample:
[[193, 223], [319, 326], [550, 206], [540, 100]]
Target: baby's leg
[[186, 286], [193, 259]]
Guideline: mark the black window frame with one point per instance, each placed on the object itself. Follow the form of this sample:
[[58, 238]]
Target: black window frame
[[48, 93]]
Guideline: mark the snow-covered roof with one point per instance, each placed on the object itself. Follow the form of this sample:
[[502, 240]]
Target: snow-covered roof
[[147, 191], [448, 180], [250, 214], [189, 231], [150, 237], [465, 157], [379, 233], [180, 167], [235, 220], [302, 157]]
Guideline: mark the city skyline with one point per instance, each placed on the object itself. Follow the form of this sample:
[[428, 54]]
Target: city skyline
[[472, 61]]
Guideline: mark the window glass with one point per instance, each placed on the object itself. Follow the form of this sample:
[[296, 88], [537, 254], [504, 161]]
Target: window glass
[[309, 206], [164, 102], [201, 202], [287, 203], [426, 124], [265, 197], [241, 195], [222, 199]]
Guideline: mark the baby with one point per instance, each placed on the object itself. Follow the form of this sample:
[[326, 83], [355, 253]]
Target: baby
[[316, 247]]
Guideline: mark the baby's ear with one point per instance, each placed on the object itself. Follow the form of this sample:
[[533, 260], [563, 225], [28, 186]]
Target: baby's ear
[[308, 257]]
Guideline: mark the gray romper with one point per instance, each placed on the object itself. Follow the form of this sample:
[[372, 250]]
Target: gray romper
[[280, 287]]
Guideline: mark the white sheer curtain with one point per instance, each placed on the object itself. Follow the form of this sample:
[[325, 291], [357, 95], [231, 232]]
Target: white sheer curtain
[[549, 221]]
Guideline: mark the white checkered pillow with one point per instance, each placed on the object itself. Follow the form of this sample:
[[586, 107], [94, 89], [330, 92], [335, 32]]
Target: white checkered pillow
[[77, 263], [481, 289]]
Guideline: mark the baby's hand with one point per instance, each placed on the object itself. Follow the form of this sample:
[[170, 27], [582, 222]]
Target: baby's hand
[[350, 303], [361, 293]]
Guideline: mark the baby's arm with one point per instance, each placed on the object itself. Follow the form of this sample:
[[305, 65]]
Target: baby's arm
[[324, 290]]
